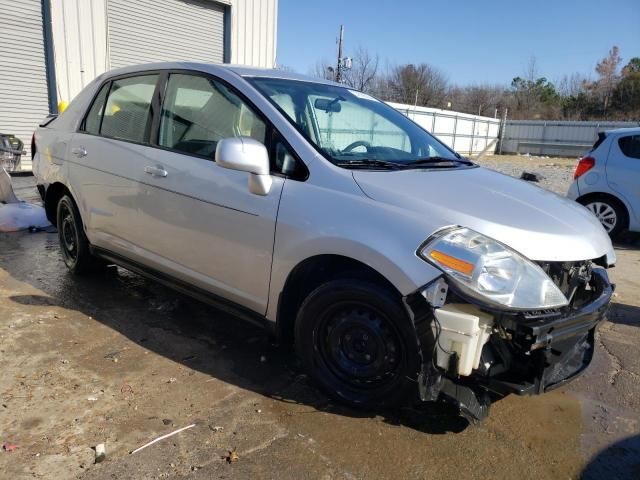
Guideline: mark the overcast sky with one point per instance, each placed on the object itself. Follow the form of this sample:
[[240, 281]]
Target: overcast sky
[[472, 41]]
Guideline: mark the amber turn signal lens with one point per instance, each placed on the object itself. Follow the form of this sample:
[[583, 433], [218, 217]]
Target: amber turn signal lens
[[452, 262]]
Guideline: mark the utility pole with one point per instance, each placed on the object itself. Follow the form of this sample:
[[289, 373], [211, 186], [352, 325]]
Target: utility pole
[[339, 67]]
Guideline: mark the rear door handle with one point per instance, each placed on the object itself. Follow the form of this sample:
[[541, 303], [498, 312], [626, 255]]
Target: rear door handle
[[155, 171], [79, 151]]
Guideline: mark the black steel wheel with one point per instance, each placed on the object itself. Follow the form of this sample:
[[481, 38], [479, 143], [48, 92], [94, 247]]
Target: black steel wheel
[[74, 245], [356, 340]]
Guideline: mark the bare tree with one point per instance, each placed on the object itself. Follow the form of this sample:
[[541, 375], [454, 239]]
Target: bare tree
[[607, 69], [420, 84], [363, 71]]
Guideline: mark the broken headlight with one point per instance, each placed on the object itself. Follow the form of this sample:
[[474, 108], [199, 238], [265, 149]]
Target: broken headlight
[[491, 271]]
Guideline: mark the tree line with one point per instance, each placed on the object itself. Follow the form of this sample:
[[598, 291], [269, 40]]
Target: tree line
[[611, 93]]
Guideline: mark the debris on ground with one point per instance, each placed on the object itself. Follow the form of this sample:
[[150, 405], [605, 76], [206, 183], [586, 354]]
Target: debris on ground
[[101, 452], [16, 215], [216, 428], [162, 438], [232, 456], [126, 388], [9, 447], [167, 421], [531, 177]]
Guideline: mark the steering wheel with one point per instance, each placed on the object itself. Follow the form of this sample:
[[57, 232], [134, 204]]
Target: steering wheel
[[356, 144]]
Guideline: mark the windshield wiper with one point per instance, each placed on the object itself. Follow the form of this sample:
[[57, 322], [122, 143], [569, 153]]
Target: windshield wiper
[[369, 162], [437, 160]]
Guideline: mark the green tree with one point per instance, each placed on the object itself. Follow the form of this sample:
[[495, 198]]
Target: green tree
[[626, 96], [632, 67]]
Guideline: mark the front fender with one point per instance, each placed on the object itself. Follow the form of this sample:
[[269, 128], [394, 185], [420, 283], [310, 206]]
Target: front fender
[[313, 221]]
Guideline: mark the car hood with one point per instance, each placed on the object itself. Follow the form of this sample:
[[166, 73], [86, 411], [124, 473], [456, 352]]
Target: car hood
[[537, 223]]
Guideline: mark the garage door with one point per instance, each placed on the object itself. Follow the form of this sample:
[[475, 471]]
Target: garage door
[[24, 100], [146, 31]]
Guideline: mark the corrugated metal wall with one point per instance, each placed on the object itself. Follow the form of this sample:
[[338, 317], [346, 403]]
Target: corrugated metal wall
[[80, 36], [465, 133], [254, 32], [178, 30], [24, 100], [553, 137]]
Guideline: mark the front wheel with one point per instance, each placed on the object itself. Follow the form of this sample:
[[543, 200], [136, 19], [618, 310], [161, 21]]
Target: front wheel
[[357, 342], [74, 244]]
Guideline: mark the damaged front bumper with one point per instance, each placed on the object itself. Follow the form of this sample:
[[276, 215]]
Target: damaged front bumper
[[524, 352]]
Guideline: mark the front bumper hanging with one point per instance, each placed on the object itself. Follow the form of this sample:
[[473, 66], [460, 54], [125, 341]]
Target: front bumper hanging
[[530, 353]]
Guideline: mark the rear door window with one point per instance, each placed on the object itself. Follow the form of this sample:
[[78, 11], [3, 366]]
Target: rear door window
[[630, 146], [128, 111], [199, 111]]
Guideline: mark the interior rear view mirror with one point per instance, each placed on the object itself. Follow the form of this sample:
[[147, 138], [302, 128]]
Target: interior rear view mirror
[[328, 105]]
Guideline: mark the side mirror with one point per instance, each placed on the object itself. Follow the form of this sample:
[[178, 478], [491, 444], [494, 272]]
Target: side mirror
[[246, 155]]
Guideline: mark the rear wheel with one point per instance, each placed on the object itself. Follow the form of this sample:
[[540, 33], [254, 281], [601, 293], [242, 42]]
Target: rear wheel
[[610, 212], [73, 241], [357, 342]]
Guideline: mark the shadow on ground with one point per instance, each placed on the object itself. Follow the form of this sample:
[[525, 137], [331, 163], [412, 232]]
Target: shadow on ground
[[148, 313], [619, 461]]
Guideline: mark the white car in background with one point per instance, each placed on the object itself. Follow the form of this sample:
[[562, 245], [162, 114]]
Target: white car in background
[[607, 180]]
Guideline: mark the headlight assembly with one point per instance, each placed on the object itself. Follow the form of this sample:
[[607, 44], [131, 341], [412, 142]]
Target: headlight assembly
[[491, 271]]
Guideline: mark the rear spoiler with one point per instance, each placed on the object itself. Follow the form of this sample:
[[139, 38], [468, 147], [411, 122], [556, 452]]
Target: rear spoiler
[[48, 119]]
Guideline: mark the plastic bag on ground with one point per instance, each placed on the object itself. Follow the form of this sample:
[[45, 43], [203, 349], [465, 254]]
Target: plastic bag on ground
[[21, 216]]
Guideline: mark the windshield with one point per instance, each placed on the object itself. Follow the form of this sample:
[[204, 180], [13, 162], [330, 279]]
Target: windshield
[[354, 129]]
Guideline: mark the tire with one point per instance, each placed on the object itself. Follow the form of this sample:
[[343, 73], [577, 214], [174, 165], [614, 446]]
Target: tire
[[355, 339], [75, 247], [610, 212]]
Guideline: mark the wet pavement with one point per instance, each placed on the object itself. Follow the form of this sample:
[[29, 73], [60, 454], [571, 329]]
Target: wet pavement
[[118, 359]]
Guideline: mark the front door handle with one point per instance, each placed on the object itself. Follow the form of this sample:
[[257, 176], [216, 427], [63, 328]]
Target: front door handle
[[79, 151], [155, 171]]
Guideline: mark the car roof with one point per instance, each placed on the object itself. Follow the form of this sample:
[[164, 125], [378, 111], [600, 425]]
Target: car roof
[[623, 131], [213, 68]]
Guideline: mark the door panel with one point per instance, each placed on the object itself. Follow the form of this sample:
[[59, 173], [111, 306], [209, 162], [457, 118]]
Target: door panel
[[200, 220], [106, 182], [203, 226], [107, 159]]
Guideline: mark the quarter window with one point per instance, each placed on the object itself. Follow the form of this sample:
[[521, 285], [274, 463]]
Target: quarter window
[[198, 112], [630, 146], [128, 111], [92, 122]]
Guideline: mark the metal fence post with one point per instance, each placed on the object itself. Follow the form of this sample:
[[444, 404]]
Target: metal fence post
[[455, 130], [473, 135]]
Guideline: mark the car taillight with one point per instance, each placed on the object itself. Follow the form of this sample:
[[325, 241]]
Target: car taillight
[[33, 146], [584, 165]]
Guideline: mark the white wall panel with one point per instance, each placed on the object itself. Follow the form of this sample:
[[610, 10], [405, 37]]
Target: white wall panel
[[254, 32], [465, 133], [79, 44]]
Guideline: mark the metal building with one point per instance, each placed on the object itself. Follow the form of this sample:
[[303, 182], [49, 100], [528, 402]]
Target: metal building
[[51, 49]]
